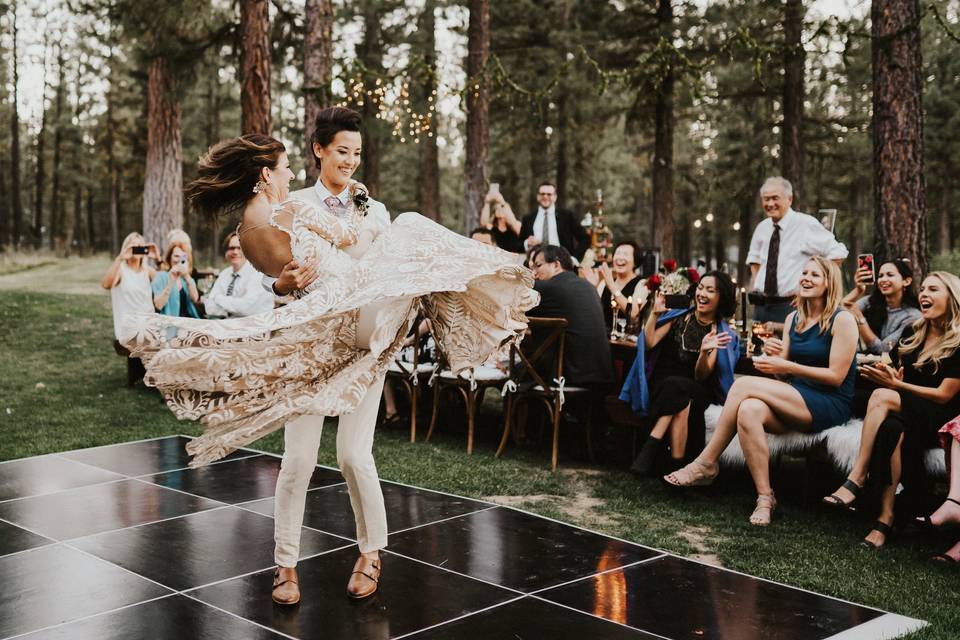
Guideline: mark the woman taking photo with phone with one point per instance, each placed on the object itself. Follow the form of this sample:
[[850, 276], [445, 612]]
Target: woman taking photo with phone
[[891, 307], [817, 356], [174, 291], [923, 383]]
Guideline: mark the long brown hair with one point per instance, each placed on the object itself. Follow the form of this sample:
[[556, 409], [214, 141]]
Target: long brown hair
[[832, 297], [228, 172]]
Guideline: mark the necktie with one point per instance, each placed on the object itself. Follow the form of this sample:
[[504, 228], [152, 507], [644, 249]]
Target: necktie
[[232, 284], [336, 206], [773, 257], [545, 230]]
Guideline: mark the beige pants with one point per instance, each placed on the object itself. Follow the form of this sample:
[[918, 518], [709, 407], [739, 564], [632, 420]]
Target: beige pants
[[301, 441]]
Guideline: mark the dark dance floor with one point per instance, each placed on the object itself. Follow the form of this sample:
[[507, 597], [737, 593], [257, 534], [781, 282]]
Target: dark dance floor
[[123, 542]]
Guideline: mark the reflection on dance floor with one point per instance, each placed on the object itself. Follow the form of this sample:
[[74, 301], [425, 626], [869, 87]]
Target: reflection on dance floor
[[125, 542]]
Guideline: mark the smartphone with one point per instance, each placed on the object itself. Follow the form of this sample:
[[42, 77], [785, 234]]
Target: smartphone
[[865, 261], [141, 250], [494, 187]]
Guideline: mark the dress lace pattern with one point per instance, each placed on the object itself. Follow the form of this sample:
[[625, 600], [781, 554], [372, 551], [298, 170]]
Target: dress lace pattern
[[246, 377]]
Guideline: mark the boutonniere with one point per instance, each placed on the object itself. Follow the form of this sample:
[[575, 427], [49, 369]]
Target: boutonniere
[[359, 197]]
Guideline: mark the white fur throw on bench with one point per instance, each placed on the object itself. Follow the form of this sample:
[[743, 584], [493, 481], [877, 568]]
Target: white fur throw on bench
[[841, 444]]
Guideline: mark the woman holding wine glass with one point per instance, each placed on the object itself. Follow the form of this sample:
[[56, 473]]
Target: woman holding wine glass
[[817, 356]]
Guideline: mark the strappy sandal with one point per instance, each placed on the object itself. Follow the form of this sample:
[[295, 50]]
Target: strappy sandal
[[391, 419], [924, 522], [277, 583], [945, 558], [763, 512], [834, 500], [695, 474], [881, 527]]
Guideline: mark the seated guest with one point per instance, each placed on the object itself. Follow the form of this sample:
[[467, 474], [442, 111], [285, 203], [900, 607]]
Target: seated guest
[[949, 511], [563, 294], [497, 216], [551, 225], [174, 291], [237, 291], [886, 312], [128, 280], [483, 235], [617, 283], [921, 393], [691, 355], [817, 353]]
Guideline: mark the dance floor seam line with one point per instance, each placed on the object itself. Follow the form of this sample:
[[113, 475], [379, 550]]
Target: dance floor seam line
[[233, 615], [459, 618], [120, 566], [91, 616], [456, 573], [448, 519], [600, 573], [187, 493], [65, 489], [219, 507], [593, 615]]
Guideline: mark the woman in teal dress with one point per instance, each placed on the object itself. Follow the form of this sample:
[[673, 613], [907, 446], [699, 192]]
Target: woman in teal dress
[[816, 358]]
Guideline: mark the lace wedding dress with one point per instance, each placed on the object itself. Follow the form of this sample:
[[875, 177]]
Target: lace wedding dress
[[246, 377]]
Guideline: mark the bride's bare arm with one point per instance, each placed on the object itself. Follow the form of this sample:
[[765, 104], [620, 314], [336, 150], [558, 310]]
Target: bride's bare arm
[[341, 232]]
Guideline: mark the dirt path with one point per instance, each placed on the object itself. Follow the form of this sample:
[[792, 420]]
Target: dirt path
[[58, 275]]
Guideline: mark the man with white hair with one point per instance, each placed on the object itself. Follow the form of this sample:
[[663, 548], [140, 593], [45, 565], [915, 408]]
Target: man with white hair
[[782, 243]]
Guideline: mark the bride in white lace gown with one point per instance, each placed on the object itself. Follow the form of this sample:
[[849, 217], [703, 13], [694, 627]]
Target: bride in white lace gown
[[246, 377]]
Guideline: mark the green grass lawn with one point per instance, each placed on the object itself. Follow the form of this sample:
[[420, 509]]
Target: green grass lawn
[[63, 388]]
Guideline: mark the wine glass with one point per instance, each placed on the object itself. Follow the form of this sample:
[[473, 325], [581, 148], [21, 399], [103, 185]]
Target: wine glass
[[621, 327]]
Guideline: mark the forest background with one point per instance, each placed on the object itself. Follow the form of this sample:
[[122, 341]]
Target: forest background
[[676, 110]]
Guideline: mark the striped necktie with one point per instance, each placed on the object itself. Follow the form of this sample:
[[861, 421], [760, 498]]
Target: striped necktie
[[232, 284]]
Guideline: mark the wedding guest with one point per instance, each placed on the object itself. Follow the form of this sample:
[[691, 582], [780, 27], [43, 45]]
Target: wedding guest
[[175, 291], [553, 226], [617, 284], [128, 280], [497, 216], [563, 294], [237, 291], [483, 235], [781, 245], [689, 363], [817, 354], [921, 393], [949, 511], [891, 307]]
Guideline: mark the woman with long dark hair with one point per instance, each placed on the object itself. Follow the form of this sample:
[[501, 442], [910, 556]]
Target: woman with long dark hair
[[890, 308], [359, 286]]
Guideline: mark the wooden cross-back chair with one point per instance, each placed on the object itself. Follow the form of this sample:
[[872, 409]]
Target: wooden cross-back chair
[[553, 393], [471, 387], [412, 375]]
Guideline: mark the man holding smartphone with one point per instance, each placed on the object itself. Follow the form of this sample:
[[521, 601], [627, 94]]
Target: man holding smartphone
[[782, 243]]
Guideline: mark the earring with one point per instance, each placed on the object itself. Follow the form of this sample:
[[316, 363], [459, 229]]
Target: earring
[[260, 186]]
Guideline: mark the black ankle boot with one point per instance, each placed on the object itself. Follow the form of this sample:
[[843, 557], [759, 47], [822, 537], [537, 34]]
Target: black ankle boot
[[644, 463]]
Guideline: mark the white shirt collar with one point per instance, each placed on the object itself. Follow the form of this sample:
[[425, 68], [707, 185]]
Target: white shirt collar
[[551, 209], [785, 221], [323, 193]]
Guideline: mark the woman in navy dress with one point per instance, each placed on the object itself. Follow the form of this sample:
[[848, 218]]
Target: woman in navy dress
[[816, 358]]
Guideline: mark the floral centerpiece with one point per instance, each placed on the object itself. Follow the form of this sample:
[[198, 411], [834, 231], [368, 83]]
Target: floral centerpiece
[[674, 283]]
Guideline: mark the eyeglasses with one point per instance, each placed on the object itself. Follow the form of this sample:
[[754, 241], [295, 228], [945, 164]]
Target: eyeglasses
[[544, 194], [233, 248]]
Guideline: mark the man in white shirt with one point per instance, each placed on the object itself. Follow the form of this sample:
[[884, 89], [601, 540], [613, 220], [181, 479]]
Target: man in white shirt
[[781, 245], [237, 291], [550, 225]]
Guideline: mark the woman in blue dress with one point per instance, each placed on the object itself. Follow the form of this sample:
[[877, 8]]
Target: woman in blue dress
[[816, 361]]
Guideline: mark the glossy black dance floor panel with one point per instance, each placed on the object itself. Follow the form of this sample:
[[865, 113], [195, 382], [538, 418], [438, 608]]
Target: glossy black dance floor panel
[[125, 542]]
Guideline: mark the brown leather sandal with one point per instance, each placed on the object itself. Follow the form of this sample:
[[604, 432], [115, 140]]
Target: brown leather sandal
[[289, 595], [364, 579]]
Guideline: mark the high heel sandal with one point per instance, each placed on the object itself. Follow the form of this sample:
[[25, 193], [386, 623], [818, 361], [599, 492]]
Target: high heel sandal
[[834, 500], [924, 522], [765, 503], [881, 527], [695, 474]]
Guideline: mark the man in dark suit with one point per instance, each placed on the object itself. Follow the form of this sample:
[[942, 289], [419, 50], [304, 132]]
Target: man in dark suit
[[587, 361], [550, 225]]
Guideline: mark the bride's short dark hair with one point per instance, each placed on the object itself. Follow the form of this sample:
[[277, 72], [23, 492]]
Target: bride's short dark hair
[[331, 121], [227, 173]]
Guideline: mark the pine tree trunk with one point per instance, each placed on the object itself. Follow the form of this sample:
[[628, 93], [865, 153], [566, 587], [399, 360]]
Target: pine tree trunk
[[212, 131], [4, 205], [562, 124], [371, 57], [114, 191], [56, 209], [429, 184], [663, 226], [946, 201], [40, 176], [317, 73], [478, 106], [15, 139], [255, 67], [163, 180], [899, 190], [794, 59]]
